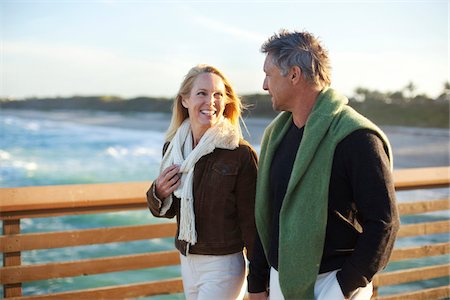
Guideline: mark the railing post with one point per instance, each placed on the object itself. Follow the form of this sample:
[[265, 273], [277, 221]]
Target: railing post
[[11, 227]]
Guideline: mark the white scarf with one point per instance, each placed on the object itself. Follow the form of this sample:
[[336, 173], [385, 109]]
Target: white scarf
[[223, 135]]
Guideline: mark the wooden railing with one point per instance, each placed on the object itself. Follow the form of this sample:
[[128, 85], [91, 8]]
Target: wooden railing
[[49, 201]]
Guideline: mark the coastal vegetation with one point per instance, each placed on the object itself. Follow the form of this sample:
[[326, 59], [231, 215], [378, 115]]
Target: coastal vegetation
[[402, 108]]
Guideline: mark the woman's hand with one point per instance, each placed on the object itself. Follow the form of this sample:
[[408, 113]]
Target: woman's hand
[[167, 182]]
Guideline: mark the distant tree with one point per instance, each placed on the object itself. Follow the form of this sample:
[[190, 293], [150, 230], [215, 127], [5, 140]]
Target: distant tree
[[365, 95], [447, 87], [377, 97], [421, 98], [410, 88], [396, 97], [445, 95], [110, 98], [360, 94]]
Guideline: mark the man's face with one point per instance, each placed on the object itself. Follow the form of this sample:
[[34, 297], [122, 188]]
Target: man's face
[[277, 85]]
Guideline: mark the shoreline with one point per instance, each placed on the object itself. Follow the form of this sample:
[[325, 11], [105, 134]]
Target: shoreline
[[412, 146]]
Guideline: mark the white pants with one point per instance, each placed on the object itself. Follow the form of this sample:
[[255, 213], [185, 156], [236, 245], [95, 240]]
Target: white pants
[[326, 288], [218, 277]]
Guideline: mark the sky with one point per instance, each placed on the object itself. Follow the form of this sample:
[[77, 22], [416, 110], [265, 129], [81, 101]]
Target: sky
[[131, 48]]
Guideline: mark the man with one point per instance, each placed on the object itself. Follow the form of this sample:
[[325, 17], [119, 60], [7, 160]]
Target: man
[[325, 201]]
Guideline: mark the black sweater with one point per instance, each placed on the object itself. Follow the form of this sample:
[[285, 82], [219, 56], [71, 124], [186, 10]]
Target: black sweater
[[362, 216]]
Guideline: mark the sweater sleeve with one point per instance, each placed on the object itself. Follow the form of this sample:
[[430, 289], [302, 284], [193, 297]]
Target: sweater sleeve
[[245, 201], [258, 277], [154, 203], [368, 171], [245, 190]]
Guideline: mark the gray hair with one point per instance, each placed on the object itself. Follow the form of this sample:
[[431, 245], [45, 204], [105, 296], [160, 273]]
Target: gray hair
[[302, 49]]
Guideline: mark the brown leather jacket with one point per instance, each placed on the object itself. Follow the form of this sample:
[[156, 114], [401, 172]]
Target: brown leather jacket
[[224, 202]]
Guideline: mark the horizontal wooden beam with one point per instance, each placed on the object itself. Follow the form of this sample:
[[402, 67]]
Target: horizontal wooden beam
[[128, 291], [421, 178], [442, 292], [424, 228], [35, 272], [56, 212], [421, 251], [410, 208], [410, 275], [32, 202], [49, 240], [74, 197]]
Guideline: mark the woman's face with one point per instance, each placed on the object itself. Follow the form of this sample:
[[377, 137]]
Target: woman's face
[[205, 103]]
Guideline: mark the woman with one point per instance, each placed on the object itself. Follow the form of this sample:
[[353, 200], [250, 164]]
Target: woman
[[207, 180]]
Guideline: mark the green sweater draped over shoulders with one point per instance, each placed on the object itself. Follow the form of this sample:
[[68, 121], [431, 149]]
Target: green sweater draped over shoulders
[[303, 215]]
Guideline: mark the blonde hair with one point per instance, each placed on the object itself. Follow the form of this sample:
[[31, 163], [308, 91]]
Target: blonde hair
[[233, 104]]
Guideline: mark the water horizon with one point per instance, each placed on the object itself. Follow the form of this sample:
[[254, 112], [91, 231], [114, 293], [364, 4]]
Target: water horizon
[[67, 147]]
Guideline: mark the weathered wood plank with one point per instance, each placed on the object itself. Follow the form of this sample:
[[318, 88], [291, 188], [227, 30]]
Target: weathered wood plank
[[49, 240], [55, 240], [410, 275], [421, 251], [424, 228], [11, 227], [442, 292], [35, 272], [67, 198], [129, 291], [89, 198], [55, 212], [419, 178], [410, 208]]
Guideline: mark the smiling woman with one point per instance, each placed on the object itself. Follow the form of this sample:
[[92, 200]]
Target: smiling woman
[[207, 181], [205, 103], [201, 81]]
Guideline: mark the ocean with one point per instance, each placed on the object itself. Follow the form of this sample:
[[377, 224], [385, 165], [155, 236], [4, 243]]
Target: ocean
[[76, 147]]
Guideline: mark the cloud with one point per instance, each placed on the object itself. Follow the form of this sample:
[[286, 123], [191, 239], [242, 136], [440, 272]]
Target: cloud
[[52, 69], [232, 31], [59, 53], [388, 71]]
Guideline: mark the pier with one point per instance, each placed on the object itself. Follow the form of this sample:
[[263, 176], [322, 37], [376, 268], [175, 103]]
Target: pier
[[17, 204]]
